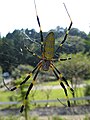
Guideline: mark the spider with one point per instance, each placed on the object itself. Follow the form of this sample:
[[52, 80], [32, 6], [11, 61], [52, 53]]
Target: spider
[[46, 61]]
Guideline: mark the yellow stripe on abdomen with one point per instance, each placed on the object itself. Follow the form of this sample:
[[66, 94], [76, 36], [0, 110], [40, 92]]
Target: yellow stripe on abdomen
[[49, 44]]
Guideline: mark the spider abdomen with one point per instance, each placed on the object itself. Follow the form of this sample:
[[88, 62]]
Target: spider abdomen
[[49, 44]]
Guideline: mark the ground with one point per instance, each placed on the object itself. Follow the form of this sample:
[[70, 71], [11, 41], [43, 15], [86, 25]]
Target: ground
[[46, 113]]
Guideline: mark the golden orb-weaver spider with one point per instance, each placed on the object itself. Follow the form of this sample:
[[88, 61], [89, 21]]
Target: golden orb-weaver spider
[[46, 61]]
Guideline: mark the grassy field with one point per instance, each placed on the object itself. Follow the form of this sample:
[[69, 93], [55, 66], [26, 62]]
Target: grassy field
[[41, 94], [50, 94], [7, 96]]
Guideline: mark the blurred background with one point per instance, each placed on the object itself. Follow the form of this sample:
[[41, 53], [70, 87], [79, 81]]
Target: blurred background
[[16, 62]]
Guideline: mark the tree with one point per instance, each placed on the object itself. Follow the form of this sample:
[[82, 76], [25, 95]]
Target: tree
[[6, 54], [0, 74], [77, 32], [77, 69]]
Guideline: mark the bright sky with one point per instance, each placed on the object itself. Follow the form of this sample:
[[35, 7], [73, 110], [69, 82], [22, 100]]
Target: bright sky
[[18, 14]]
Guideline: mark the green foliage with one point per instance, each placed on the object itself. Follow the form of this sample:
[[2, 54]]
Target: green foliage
[[57, 118], [73, 44], [77, 68], [87, 117], [21, 70], [87, 42], [21, 96], [77, 32]]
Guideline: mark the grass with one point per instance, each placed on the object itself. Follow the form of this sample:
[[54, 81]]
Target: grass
[[51, 83], [43, 94], [57, 82], [87, 81], [39, 94], [4, 96]]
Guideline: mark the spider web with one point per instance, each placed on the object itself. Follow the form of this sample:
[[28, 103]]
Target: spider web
[[13, 50]]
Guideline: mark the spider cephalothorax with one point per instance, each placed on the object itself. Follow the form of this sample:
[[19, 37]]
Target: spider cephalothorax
[[45, 65]]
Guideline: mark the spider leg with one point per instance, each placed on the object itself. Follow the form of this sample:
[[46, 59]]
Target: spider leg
[[29, 89], [24, 81], [65, 37], [61, 83], [63, 78], [33, 53], [41, 34], [61, 59], [67, 32], [64, 59]]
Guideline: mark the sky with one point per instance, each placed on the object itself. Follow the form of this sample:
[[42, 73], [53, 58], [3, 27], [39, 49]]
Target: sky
[[18, 14]]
